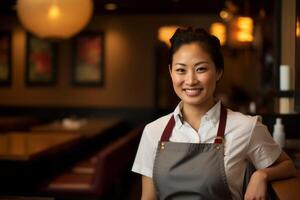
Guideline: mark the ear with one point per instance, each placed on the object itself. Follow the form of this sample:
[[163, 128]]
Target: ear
[[170, 70], [219, 74]]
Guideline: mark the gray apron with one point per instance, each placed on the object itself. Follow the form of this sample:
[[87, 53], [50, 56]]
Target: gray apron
[[191, 171]]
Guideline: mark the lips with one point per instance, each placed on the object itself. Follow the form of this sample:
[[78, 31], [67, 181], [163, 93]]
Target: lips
[[192, 91]]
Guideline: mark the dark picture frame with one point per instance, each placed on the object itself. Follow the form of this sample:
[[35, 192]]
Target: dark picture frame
[[5, 58], [41, 62], [88, 59]]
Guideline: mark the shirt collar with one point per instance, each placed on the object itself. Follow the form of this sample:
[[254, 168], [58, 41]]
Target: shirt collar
[[178, 115], [212, 115]]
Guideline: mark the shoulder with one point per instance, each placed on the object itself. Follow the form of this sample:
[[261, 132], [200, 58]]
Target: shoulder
[[145, 156], [156, 127], [240, 122], [244, 133]]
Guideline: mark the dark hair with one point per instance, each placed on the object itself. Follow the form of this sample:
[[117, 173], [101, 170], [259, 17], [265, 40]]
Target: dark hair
[[208, 42]]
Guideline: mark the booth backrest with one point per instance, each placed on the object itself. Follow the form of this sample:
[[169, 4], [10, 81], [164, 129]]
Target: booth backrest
[[113, 160]]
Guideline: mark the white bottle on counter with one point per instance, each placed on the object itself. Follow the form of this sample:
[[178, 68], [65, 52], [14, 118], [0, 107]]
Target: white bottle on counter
[[252, 107], [278, 133]]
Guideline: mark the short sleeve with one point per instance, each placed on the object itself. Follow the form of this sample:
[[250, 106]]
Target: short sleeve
[[263, 151], [143, 163]]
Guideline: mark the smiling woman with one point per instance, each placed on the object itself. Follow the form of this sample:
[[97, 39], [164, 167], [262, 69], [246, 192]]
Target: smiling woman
[[195, 68], [201, 149], [194, 76]]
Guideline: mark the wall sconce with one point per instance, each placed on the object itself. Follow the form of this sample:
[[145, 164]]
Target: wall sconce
[[298, 28], [244, 29], [240, 31], [54, 18], [165, 33], [219, 30]]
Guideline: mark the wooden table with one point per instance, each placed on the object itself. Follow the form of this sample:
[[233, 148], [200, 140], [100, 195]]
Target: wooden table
[[17, 123], [28, 145], [86, 128], [288, 189], [28, 158], [18, 146]]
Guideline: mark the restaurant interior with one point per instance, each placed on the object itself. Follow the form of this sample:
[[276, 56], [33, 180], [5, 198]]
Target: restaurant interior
[[79, 80]]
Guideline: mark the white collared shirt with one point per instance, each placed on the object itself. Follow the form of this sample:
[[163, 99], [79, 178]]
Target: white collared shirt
[[246, 138]]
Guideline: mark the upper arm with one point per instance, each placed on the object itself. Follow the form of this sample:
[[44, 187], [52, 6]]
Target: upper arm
[[283, 157], [144, 160], [262, 149], [148, 189], [283, 167]]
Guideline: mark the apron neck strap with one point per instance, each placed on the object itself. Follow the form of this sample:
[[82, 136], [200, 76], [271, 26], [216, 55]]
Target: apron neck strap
[[222, 124], [221, 129], [168, 130]]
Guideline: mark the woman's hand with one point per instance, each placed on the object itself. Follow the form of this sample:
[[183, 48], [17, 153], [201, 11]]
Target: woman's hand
[[257, 187], [283, 167]]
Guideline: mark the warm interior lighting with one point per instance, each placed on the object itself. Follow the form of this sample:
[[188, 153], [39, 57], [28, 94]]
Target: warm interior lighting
[[165, 33], [54, 12], [219, 30], [298, 28], [240, 32], [225, 15], [111, 6], [244, 29], [54, 18]]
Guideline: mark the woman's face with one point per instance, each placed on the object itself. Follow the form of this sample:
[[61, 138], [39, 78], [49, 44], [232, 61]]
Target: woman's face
[[194, 75]]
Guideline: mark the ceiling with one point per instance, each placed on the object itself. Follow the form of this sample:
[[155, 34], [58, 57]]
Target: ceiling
[[164, 6]]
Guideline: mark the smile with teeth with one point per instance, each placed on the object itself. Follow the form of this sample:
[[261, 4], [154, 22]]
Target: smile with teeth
[[192, 91]]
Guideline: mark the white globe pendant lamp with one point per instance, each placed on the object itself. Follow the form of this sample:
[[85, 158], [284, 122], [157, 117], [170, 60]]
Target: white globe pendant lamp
[[54, 18]]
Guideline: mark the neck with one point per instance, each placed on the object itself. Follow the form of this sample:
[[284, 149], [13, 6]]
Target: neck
[[192, 114]]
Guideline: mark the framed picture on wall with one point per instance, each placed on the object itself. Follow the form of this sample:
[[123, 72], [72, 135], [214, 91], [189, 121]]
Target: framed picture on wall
[[41, 62], [5, 58], [88, 59]]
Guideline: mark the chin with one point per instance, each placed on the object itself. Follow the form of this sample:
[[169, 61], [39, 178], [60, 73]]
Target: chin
[[194, 102]]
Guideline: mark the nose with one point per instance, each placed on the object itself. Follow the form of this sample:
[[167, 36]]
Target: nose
[[191, 78]]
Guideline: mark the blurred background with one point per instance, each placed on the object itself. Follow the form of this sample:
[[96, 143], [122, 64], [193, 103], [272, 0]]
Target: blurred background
[[80, 78]]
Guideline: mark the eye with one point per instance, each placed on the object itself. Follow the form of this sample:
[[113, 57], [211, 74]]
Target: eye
[[201, 69], [180, 70]]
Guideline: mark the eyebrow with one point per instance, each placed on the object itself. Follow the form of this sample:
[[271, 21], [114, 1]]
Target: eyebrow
[[180, 64], [198, 63]]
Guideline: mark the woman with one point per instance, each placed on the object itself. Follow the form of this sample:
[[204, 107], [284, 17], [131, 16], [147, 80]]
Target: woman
[[202, 149]]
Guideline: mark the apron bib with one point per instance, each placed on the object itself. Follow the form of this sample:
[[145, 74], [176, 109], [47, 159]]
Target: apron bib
[[191, 171]]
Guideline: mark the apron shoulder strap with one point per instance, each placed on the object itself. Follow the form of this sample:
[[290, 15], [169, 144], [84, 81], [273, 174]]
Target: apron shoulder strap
[[168, 130], [221, 129], [222, 124]]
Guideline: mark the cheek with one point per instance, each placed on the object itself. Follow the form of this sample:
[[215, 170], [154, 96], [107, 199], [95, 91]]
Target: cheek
[[175, 80], [210, 81]]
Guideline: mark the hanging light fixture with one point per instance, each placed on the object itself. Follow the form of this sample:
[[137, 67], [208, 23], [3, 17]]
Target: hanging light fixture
[[218, 29], [240, 26], [54, 18], [165, 33], [244, 26], [241, 31]]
